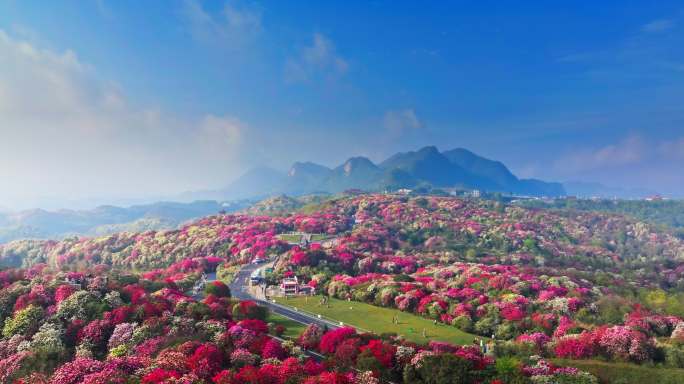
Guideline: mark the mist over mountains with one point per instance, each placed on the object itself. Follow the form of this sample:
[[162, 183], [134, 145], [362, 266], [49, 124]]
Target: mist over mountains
[[106, 219], [426, 167]]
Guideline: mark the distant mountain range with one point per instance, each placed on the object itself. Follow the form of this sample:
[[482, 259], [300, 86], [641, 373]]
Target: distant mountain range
[[42, 224], [426, 167]]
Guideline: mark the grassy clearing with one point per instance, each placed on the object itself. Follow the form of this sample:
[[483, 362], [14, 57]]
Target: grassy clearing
[[625, 373], [379, 320], [290, 238], [318, 237], [292, 328]]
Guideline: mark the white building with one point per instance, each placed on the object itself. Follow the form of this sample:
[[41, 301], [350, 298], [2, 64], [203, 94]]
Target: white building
[[289, 286]]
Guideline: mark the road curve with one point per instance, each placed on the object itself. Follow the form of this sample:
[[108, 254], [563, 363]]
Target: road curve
[[238, 289]]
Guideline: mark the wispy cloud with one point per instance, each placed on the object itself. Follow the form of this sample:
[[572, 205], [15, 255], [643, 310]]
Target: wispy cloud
[[630, 150], [658, 26], [398, 122], [66, 130], [318, 58], [236, 25]]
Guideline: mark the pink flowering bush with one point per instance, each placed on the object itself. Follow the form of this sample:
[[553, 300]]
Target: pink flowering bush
[[624, 343], [73, 372]]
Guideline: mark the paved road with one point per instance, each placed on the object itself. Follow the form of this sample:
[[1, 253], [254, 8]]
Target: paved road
[[238, 289]]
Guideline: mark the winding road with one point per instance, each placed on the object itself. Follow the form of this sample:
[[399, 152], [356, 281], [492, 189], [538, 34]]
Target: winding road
[[239, 290]]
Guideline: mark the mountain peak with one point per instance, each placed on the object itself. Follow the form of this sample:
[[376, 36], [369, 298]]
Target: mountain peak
[[456, 168], [307, 168], [491, 169], [357, 163], [429, 150]]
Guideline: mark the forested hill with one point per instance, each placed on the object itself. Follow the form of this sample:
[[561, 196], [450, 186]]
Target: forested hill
[[469, 230], [570, 284], [660, 212]]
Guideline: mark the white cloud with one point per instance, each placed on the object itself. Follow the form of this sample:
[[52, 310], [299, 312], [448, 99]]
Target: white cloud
[[234, 27], [631, 150], [66, 132], [658, 26], [220, 132], [318, 58], [637, 161], [401, 121]]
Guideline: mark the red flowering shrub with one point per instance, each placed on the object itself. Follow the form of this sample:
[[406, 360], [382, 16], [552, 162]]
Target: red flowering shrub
[[206, 360], [119, 315], [329, 378], [63, 291], [159, 376], [574, 347], [96, 332], [225, 377], [346, 352], [254, 325], [290, 369], [273, 349], [299, 258], [332, 339], [382, 351], [512, 312], [313, 368]]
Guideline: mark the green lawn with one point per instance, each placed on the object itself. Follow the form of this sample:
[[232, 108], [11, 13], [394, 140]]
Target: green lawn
[[292, 328], [625, 373], [290, 238], [297, 238], [379, 320], [318, 237]]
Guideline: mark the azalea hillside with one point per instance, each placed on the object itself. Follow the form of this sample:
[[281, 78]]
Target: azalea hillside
[[527, 293]]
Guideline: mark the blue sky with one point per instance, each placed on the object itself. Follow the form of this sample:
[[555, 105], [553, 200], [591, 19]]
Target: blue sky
[[182, 95]]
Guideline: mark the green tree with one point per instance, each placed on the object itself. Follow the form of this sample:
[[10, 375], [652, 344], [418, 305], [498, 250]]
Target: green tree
[[217, 288], [81, 305], [509, 370], [440, 369], [24, 322]]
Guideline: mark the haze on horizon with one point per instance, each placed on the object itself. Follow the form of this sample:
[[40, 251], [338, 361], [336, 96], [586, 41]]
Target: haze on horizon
[[102, 100]]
